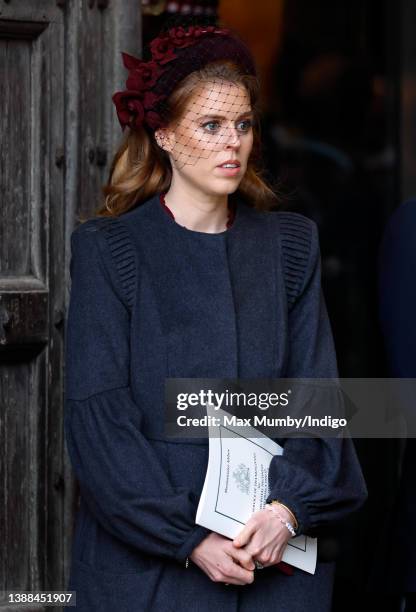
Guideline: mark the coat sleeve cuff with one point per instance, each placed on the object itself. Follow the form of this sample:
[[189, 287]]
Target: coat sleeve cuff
[[195, 537]]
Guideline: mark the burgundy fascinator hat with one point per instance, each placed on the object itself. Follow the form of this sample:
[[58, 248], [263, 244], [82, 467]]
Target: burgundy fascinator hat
[[174, 54]]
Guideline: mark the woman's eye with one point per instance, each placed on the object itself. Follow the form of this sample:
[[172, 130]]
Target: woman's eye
[[214, 123], [245, 125]]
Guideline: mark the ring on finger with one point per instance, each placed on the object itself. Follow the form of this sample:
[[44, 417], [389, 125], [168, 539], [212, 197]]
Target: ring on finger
[[258, 564]]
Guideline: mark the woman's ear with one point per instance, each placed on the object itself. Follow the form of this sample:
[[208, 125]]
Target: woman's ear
[[165, 139]]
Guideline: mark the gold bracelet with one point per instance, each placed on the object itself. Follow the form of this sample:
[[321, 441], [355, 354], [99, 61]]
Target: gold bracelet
[[295, 522]]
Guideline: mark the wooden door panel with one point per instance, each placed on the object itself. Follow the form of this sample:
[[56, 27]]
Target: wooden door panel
[[32, 189], [22, 244], [15, 254], [22, 468]]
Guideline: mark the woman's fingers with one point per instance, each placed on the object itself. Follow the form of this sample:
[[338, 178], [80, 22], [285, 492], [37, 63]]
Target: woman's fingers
[[242, 557], [215, 556], [235, 574], [245, 534]]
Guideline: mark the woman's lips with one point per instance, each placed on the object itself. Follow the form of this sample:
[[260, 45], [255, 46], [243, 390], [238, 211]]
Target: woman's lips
[[229, 171]]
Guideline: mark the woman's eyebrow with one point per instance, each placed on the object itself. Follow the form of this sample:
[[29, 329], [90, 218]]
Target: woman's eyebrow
[[246, 114]]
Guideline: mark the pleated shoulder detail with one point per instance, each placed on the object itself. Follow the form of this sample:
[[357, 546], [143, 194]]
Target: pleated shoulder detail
[[296, 240], [123, 253]]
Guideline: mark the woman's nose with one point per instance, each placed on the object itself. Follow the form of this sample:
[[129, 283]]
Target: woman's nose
[[232, 137]]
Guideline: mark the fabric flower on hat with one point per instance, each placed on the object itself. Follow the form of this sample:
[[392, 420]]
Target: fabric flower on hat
[[162, 49], [129, 106], [136, 107], [181, 38], [144, 76], [185, 37]]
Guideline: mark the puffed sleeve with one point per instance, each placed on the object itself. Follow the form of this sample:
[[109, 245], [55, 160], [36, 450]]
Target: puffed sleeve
[[120, 475], [319, 479]]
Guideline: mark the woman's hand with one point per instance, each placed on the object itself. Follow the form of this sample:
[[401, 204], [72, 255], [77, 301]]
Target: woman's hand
[[264, 537], [222, 562]]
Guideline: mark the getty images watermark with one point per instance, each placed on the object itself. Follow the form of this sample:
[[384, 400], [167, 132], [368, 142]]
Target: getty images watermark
[[262, 401], [363, 408]]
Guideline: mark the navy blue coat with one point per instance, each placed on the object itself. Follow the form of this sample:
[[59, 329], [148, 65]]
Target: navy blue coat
[[151, 299]]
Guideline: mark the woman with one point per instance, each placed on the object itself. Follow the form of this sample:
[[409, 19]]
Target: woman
[[183, 275]]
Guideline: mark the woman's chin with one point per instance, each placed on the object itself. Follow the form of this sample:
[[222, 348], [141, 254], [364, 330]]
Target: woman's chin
[[227, 186]]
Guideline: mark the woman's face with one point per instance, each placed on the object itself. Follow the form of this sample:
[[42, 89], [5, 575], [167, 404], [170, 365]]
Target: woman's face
[[215, 127]]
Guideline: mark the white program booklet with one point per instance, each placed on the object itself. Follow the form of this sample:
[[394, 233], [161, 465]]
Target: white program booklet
[[236, 485]]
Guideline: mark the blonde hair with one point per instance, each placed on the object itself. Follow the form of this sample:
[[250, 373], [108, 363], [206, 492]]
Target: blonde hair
[[141, 168]]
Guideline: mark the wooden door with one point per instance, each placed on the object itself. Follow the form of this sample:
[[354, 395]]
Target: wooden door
[[31, 288], [59, 65]]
